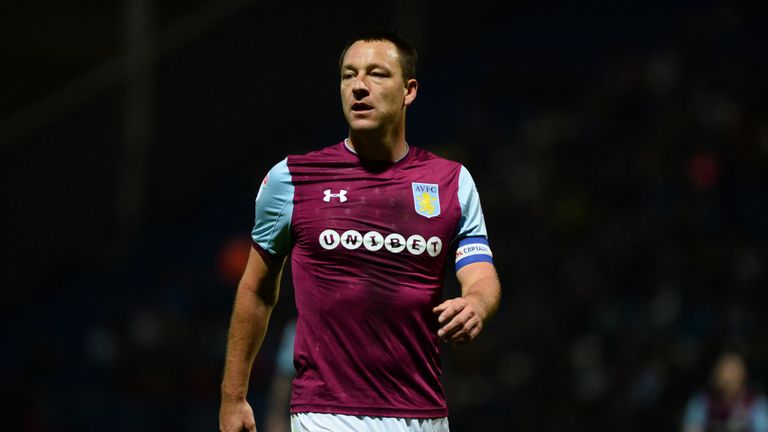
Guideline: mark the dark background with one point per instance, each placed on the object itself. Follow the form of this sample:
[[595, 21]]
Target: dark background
[[620, 150]]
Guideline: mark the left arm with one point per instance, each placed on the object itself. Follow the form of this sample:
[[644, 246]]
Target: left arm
[[462, 318]]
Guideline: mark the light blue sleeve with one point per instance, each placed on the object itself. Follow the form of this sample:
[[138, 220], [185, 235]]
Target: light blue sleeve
[[472, 223], [695, 412], [472, 237], [759, 416], [274, 209]]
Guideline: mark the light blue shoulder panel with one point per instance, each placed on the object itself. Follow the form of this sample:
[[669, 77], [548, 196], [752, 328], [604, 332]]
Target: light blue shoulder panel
[[472, 222], [274, 209]]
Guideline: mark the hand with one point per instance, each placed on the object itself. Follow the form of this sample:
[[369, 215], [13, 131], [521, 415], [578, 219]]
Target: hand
[[460, 320], [236, 416]]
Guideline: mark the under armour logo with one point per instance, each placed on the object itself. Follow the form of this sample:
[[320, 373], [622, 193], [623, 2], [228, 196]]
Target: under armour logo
[[342, 195]]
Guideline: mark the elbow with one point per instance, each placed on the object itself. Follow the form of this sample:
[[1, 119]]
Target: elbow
[[264, 293], [268, 298]]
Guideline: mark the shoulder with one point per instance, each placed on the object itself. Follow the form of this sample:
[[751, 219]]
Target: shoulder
[[421, 155], [276, 185], [278, 174], [332, 151]]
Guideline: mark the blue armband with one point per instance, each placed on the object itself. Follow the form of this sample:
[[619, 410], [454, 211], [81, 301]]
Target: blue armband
[[472, 250]]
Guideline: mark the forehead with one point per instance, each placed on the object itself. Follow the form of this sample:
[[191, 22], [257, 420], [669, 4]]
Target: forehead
[[730, 365], [363, 53]]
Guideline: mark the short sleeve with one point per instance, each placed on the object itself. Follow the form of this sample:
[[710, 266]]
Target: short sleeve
[[472, 245], [274, 209], [472, 223]]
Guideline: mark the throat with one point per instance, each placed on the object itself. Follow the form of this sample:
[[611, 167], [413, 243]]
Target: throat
[[378, 150]]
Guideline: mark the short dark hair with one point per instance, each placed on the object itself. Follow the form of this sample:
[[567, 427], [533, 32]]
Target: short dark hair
[[408, 54]]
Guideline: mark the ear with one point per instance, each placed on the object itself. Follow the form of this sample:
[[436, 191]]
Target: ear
[[410, 90]]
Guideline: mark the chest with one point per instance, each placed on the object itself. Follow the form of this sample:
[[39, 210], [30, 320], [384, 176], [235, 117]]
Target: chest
[[402, 210], [729, 417]]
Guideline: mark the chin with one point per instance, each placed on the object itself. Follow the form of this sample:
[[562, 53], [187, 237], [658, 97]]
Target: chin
[[363, 125]]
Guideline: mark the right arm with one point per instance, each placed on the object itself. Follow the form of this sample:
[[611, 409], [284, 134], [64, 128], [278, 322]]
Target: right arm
[[256, 296]]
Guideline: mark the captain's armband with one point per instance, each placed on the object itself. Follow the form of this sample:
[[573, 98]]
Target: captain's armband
[[472, 250]]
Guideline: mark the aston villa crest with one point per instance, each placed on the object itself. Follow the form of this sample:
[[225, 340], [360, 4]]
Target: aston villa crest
[[426, 199]]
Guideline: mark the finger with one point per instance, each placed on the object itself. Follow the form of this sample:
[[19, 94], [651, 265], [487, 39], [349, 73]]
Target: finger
[[439, 308], [451, 311], [456, 324], [468, 329], [458, 339], [476, 331], [448, 304], [470, 334], [462, 341], [462, 337]]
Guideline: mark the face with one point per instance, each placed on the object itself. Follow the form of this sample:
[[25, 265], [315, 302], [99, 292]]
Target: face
[[373, 92], [730, 374]]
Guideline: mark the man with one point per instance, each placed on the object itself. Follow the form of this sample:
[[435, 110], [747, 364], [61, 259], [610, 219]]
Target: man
[[729, 405], [369, 223]]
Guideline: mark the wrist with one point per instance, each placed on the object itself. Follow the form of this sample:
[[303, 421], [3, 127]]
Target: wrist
[[476, 301], [232, 396]]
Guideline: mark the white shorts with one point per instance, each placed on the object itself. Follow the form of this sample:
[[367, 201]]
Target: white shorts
[[316, 422]]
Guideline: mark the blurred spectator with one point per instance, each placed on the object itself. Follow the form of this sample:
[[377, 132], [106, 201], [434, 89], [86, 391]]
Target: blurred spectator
[[278, 413], [729, 404]]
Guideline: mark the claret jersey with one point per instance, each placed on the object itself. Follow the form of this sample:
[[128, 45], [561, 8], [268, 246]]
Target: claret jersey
[[368, 244]]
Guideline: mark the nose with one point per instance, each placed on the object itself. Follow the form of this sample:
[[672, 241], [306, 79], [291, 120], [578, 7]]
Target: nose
[[359, 89]]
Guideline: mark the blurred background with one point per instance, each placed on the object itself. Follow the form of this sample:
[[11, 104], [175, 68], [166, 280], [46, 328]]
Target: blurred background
[[620, 150]]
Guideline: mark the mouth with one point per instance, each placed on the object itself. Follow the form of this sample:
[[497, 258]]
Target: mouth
[[361, 107]]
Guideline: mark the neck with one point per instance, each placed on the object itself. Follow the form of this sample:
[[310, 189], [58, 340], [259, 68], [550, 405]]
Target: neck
[[390, 149], [731, 394]]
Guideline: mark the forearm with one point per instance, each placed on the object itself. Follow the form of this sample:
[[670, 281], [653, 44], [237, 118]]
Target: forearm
[[461, 319], [485, 292], [248, 326]]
